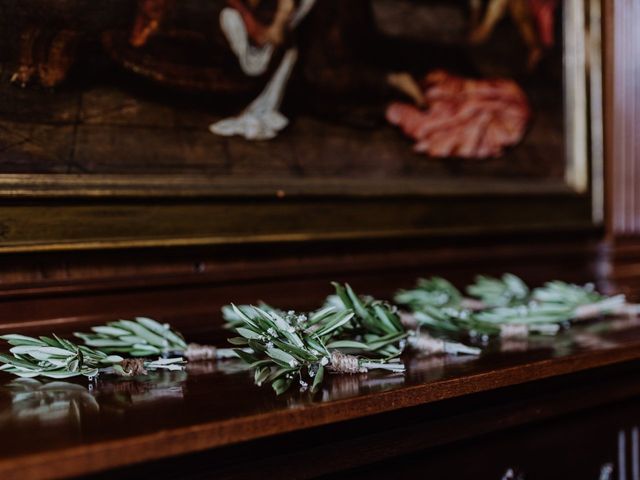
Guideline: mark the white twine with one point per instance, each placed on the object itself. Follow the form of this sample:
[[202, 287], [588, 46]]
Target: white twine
[[616, 305], [511, 331], [584, 312], [427, 344], [196, 352], [408, 320]]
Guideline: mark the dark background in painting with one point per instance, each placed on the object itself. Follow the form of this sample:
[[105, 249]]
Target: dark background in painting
[[104, 119]]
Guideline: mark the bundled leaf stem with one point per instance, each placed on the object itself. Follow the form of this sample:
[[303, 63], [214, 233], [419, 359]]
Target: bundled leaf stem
[[59, 358], [505, 306], [144, 337], [417, 340], [290, 347]]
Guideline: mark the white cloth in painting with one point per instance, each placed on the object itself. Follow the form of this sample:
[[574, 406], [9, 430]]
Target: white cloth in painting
[[254, 61], [261, 120]]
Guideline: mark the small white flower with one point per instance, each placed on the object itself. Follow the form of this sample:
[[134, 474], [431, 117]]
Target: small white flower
[[293, 363], [271, 331], [324, 361], [269, 345]]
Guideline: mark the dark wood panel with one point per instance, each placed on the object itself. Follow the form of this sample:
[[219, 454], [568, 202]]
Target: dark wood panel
[[581, 446], [54, 288]]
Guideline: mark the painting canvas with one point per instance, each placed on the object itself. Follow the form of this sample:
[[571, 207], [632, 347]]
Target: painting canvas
[[305, 96]]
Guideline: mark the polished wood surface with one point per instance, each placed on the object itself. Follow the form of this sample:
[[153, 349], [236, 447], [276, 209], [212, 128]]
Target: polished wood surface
[[576, 416], [72, 428]]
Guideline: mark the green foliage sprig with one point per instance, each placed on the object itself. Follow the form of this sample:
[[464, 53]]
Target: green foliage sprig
[[584, 302], [144, 337], [382, 318], [435, 292], [297, 347], [554, 302], [507, 306], [507, 291], [59, 358], [233, 320], [374, 321]]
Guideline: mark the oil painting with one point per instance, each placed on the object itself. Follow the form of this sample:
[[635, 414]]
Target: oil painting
[[365, 88], [308, 97]]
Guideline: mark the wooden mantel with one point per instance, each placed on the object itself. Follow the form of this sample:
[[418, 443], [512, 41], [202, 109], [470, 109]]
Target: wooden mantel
[[116, 423]]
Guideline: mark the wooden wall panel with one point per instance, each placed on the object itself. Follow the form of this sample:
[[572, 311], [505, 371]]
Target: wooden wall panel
[[622, 138], [187, 288], [623, 130]]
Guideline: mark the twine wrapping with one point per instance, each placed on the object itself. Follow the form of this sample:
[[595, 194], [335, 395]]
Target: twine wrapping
[[584, 312], [408, 321], [133, 367], [630, 310], [472, 304], [616, 306], [342, 363], [514, 331], [196, 352], [427, 344]]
